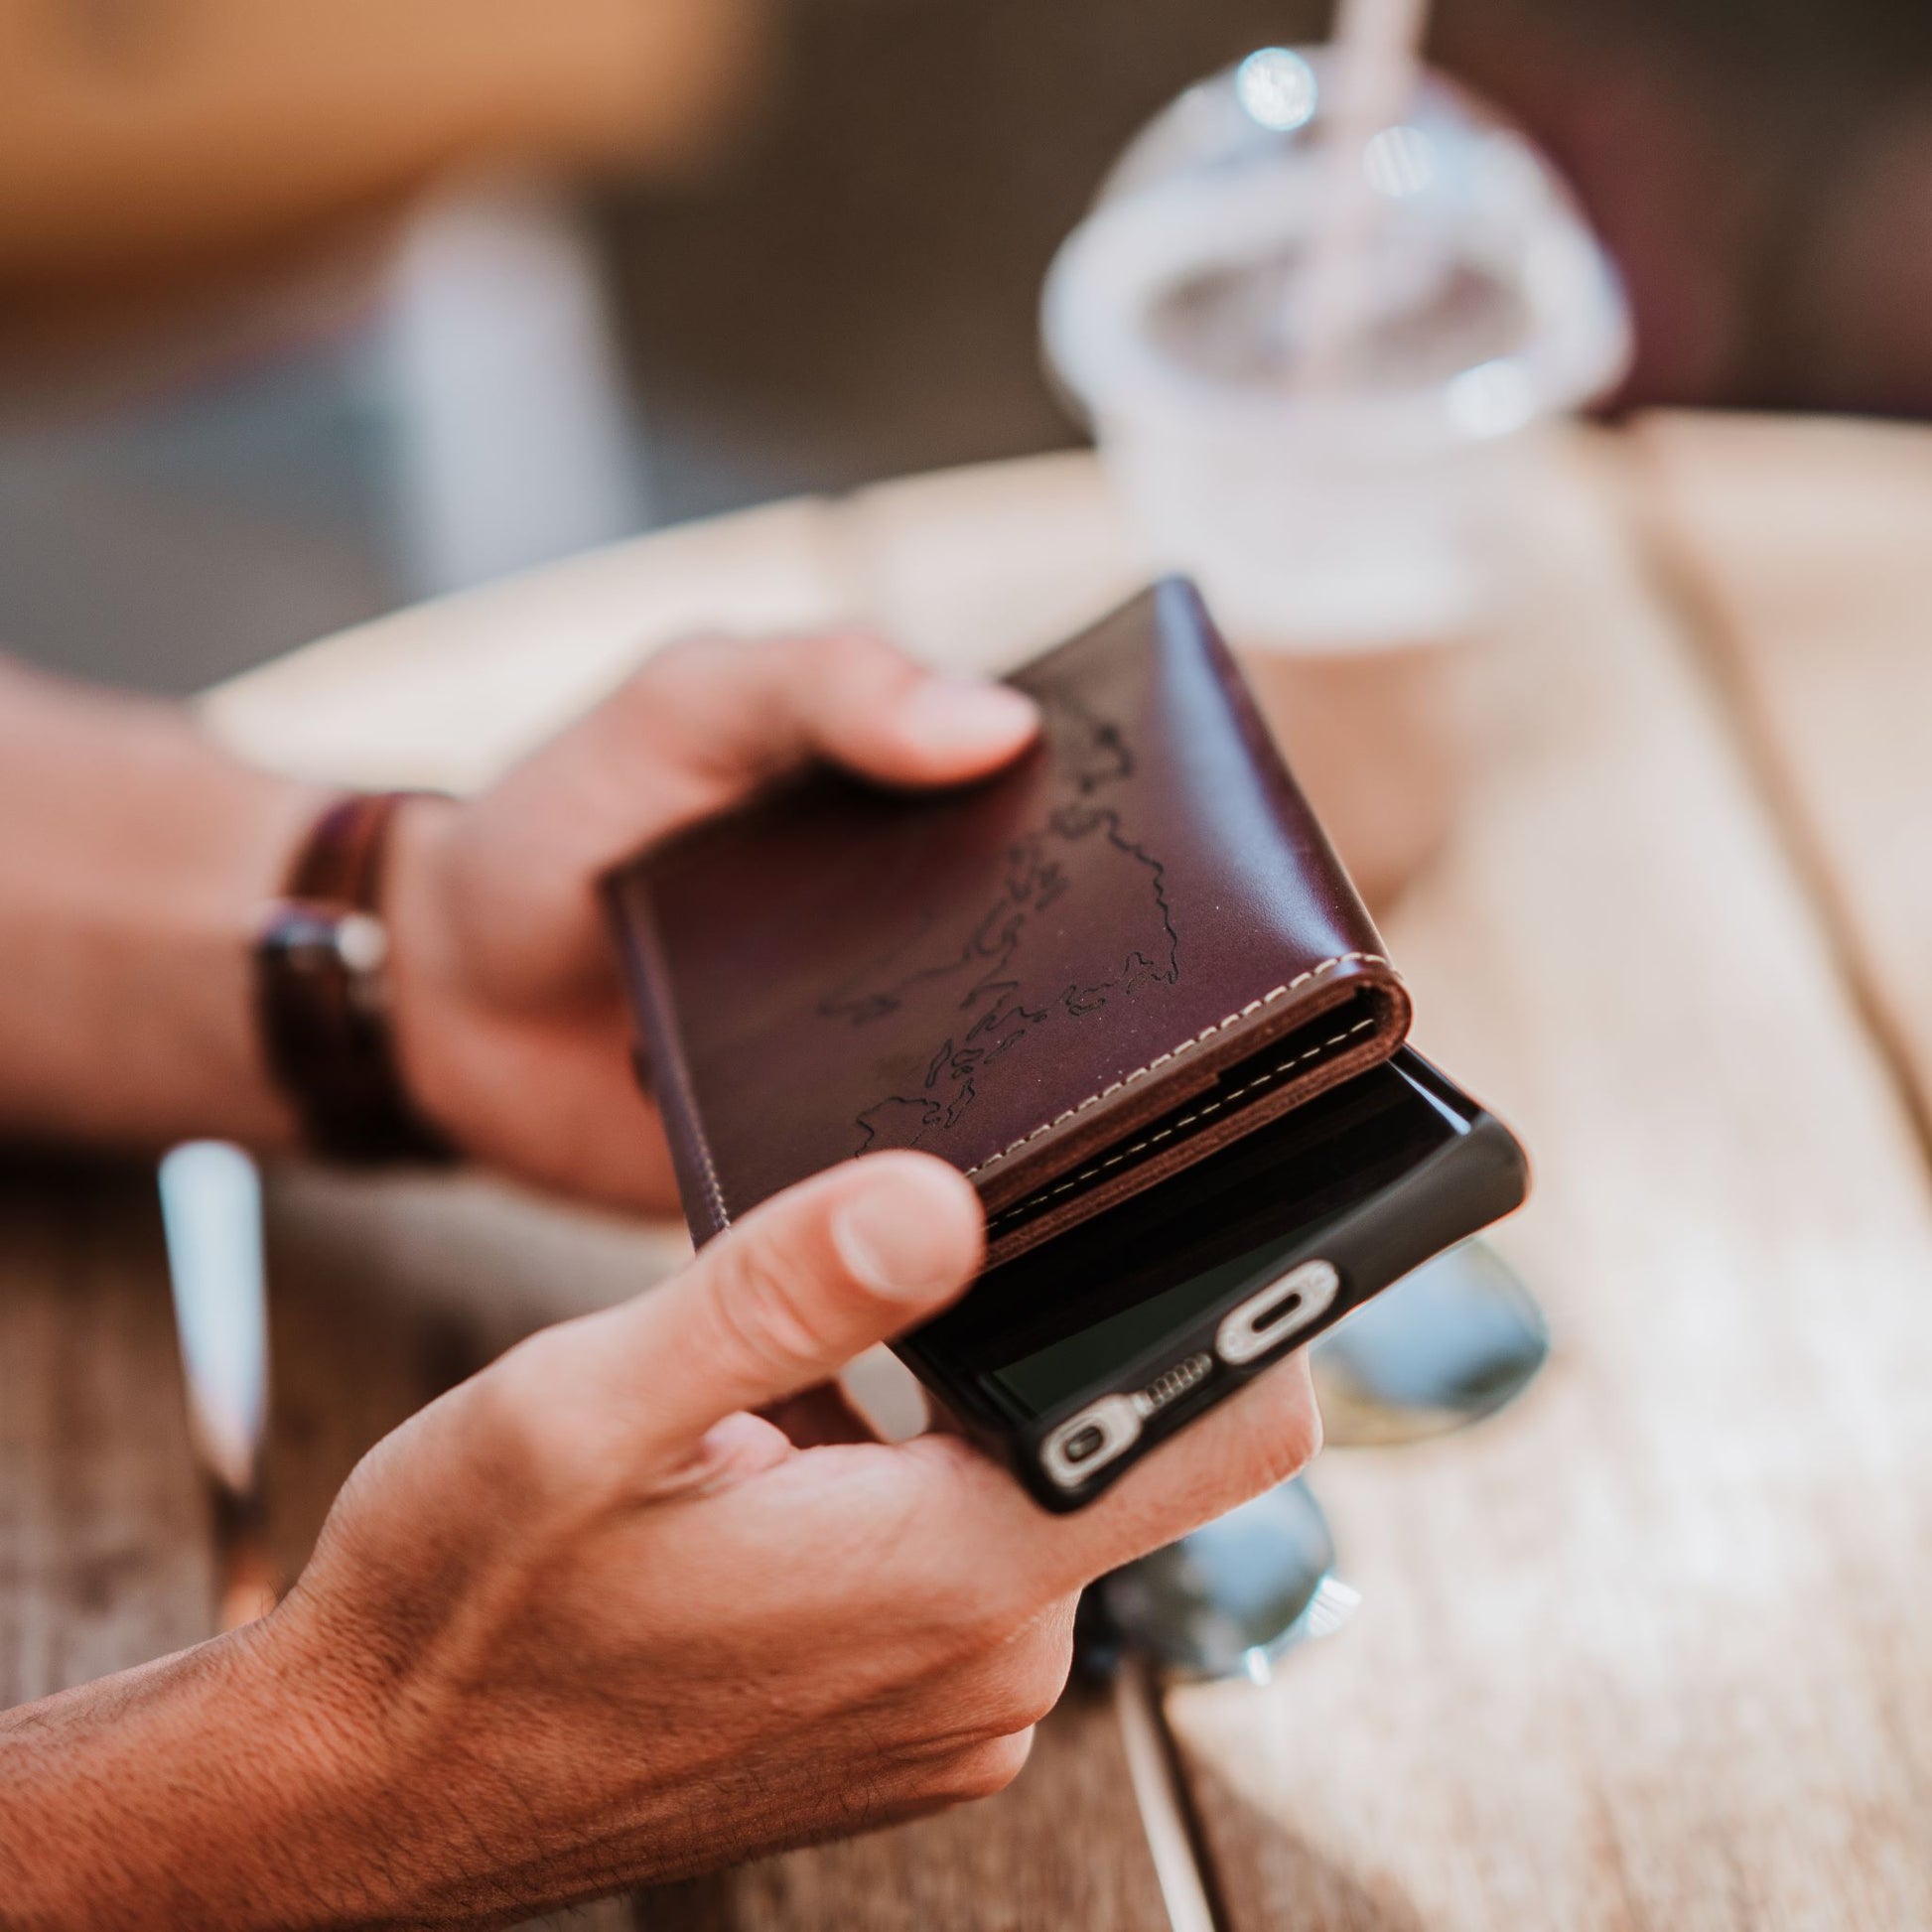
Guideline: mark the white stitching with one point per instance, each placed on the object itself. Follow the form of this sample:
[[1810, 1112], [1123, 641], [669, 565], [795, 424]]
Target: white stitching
[[678, 1070], [1260, 1080], [1141, 1072], [1093, 1099], [702, 1140], [711, 1177]]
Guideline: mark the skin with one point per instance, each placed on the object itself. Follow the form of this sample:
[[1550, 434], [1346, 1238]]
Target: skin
[[592, 1618]]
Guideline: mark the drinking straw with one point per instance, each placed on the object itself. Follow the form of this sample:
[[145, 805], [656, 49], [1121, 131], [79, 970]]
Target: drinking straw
[[1377, 53]]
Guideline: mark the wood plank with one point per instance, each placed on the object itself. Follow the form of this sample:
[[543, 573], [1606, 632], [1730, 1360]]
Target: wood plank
[[1649, 1650], [1803, 546], [1062, 1846], [105, 1551], [353, 1352]]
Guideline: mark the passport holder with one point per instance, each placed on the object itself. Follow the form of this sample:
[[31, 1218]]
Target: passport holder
[[1099, 967]]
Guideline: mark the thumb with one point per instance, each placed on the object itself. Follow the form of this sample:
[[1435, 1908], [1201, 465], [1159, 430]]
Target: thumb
[[807, 1281]]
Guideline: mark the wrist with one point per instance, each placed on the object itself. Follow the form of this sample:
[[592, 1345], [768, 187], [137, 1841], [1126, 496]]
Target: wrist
[[127, 919], [246, 824]]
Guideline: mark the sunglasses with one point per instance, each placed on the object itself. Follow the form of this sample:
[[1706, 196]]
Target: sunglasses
[[1455, 1342]]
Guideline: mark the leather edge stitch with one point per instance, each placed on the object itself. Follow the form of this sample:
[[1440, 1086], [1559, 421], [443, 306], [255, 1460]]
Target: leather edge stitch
[[630, 899], [1174, 1052]]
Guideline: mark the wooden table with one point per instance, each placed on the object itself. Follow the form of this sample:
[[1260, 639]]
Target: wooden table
[[1650, 1650]]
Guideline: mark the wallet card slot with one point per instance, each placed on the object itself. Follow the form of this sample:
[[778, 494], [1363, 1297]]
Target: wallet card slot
[[1245, 1083]]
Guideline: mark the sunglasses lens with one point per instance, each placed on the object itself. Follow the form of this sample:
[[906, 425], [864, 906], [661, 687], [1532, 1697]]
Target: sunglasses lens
[[1227, 1599], [1449, 1344]]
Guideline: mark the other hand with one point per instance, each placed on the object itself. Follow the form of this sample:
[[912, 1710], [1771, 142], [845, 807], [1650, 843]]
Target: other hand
[[509, 1015]]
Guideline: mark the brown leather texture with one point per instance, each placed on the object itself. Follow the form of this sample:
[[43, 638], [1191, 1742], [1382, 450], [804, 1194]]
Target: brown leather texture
[[1072, 979]]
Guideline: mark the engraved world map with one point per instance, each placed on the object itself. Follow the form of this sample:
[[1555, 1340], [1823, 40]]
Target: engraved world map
[[980, 990]]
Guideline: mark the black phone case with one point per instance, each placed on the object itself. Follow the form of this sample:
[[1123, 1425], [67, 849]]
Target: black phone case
[[1448, 1195]]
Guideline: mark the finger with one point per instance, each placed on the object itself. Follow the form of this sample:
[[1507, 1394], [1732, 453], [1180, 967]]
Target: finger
[[737, 708], [1252, 1442], [703, 722], [982, 1771], [786, 1299], [818, 1416], [1249, 1444], [732, 1450]]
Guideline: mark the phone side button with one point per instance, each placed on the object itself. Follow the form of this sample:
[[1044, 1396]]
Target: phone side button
[[1082, 1444], [1279, 1310]]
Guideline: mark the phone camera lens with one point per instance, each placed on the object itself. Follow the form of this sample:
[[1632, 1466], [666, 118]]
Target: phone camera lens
[[1083, 1442]]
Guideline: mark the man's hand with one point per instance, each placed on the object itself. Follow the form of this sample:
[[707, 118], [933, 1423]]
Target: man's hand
[[509, 1015], [590, 1621], [127, 919]]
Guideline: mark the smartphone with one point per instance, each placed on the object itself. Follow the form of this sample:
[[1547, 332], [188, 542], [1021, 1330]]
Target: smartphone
[[1077, 1357]]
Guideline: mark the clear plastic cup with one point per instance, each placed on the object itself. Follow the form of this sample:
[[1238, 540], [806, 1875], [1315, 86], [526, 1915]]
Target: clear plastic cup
[[1348, 535]]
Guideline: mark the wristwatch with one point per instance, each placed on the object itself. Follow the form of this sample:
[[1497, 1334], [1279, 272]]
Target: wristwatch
[[322, 982]]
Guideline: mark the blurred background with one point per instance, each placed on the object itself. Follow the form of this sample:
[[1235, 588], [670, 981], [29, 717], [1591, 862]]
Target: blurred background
[[308, 312]]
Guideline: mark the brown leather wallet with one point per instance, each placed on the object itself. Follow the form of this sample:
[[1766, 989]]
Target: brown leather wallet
[[1071, 980]]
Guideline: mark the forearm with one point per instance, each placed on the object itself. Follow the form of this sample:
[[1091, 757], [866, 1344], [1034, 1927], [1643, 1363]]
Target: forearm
[[135, 857], [192, 1791]]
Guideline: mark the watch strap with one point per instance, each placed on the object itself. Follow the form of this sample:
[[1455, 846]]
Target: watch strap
[[322, 982]]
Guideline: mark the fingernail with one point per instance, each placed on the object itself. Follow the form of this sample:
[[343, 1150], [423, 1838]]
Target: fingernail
[[906, 1235], [967, 714]]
